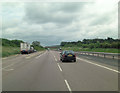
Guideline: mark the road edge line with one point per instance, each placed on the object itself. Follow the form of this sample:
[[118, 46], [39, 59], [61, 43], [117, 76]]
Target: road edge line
[[99, 65], [40, 55]]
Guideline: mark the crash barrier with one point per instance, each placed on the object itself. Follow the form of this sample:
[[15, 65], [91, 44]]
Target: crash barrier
[[101, 54]]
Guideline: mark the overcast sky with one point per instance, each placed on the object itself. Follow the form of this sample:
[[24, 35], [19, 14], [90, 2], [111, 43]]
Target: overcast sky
[[53, 22]]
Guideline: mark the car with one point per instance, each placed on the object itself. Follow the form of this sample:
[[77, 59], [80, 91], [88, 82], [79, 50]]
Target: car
[[68, 55], [35, 50], [48, 49], [60, 49]]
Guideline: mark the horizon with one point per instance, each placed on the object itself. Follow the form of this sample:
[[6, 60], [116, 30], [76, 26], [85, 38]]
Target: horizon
[[61, 41]]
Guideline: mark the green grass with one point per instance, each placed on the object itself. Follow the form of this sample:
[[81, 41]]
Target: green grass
[[7, 51], [39, 48], [107, 50]]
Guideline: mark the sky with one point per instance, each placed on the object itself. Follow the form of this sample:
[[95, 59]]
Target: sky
[[54, 22]]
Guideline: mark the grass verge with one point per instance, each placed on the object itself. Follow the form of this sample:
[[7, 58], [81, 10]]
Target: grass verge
[[7, 51], [107, 50]]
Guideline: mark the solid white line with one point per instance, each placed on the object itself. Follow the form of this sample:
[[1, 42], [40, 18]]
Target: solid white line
[[10, 56], [59, 67], [4, 58], [68, 85], [98, 65], [16, 55], [9, 65], [31, 56], [40, 55], [8, 69]]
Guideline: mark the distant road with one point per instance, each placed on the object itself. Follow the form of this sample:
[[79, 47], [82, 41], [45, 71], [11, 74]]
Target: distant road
[[42, 71]]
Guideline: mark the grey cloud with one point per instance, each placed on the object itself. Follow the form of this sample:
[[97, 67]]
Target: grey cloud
[[101, 20], [10, 24], [52, 12], [51, 23], [72, 7]]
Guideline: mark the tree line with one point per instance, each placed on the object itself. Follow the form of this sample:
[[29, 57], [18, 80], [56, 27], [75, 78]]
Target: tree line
[[13, 43], [16, 43], [94, 43]]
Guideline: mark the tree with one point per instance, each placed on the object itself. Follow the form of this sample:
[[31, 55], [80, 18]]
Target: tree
[[13, 43], [63, 43], [36, 43]]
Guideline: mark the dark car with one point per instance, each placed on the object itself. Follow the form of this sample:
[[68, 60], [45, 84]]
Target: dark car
[[68, 55]]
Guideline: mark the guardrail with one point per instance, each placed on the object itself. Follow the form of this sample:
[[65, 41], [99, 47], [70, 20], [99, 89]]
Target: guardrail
[[101, 54]]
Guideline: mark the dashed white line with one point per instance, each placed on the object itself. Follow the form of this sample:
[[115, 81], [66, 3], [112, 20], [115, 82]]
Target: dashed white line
[[98, 65], [59, 67], [68, 86], [55, 58], [66, 82]]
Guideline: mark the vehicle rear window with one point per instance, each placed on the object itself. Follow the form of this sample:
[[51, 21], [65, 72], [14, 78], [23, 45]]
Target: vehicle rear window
[[67, 52]]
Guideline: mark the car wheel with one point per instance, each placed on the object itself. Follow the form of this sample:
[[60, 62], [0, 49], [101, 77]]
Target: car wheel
[[60, 59], [75, 60]]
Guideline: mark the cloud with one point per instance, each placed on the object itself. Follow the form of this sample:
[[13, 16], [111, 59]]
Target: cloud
[[52, 12], [51, 23]]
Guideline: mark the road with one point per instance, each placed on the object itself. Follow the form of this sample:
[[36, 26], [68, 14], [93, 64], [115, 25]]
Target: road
[[43, 71]]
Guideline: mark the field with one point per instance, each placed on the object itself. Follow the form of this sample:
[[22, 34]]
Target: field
[[107, 50]]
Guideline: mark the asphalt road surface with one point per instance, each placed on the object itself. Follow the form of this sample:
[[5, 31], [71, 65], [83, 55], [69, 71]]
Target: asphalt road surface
[[43, 71]]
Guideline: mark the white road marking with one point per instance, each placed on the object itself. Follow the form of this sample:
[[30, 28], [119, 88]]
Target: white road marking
[[30, 56], [9, 65], [59, 67], [10, 56], [88, 57], [40, 55], [17, 55], [68, 86], [8, 69], [4, 58], [98, 65], [55, 58]]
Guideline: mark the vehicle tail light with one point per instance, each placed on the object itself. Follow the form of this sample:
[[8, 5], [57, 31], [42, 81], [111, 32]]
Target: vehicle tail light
[[74, 55], [64, 55]]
